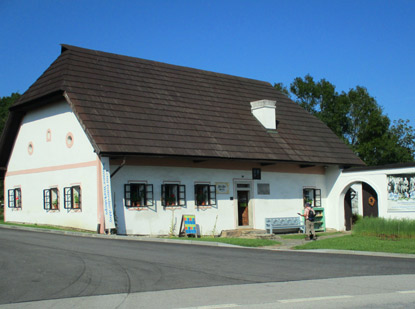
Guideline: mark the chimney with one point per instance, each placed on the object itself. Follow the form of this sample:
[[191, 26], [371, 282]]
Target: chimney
[[264, 111]]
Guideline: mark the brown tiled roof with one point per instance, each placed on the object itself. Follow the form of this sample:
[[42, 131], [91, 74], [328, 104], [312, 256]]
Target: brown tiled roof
[[133, 106]]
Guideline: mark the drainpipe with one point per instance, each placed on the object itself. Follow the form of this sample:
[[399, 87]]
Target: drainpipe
[[118, 168]]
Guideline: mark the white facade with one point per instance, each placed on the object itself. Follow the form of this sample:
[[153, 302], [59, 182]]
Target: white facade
[[285, 198], [52, 151]]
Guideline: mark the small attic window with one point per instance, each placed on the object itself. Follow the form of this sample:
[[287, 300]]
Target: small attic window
[[48, 135], [69, 140], [30, 148]]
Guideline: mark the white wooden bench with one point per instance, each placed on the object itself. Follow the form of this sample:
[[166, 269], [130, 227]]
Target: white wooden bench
[[284, 223]]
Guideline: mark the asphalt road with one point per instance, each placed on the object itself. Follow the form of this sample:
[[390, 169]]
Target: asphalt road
[[42, 266]]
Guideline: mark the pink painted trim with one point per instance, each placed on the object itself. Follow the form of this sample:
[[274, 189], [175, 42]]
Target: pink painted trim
[[51, 168], [100, 199], [138, 208], [4, 199]]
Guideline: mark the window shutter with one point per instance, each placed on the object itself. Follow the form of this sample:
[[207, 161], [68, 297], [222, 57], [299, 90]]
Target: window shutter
[[317, 194], [46, 199], [163, 195], [127, 195], [212, 195], [17, 198], [149, 195], [182, 195], [304, 196], [11, 198], [67, 198]]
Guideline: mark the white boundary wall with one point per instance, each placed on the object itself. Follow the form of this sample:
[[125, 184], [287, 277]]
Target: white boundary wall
[[377, 179]]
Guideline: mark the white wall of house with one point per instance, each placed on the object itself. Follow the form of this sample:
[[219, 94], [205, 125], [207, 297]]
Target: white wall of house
[[52, 150], [285, 198]]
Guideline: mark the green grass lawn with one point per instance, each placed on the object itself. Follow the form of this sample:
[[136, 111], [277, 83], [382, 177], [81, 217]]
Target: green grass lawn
[[245, 242], [363, 243], [302, 236]]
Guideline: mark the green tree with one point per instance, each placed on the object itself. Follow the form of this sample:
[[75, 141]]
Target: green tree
[[322, 100], [283, 89], [5, 103], [405, 135], [356, 118]]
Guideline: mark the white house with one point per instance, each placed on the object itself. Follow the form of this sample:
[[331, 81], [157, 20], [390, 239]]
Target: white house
[[103, 140]]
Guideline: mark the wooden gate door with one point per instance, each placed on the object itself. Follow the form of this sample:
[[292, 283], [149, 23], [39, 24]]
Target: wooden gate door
[[370, 201], [348, 215], [243, 208]]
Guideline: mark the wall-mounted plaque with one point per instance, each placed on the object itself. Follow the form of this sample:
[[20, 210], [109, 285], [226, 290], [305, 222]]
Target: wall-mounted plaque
[[222, 187]]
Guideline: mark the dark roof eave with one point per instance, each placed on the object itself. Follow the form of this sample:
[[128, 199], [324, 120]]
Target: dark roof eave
[[37, 102], [380, 167], [258, 160]]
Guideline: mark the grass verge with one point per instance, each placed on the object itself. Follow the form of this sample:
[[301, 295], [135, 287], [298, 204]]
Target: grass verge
[[244, 242], [46, 227], [386, 228], [363, 243], [302, 236]]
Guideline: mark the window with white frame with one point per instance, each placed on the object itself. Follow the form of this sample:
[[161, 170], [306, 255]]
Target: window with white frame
[[51, 199], [15, 198], [138, 195], [72, 197], [205, 195], [173, 195], [312, 196]]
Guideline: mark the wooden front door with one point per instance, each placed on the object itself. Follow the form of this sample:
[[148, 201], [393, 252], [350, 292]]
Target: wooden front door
[[370, 201], [243, 208]]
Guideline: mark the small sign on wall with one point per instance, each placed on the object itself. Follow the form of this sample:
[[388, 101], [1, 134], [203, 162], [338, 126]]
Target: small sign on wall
[[222, 187], [263, 189]]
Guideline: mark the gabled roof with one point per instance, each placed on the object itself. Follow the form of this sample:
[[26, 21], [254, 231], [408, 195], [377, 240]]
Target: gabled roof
[[131, 106]]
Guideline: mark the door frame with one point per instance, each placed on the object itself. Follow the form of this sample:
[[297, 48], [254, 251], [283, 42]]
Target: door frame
[[249, 189]]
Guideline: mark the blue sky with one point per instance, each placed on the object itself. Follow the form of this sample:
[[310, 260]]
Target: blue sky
[[349, 43]]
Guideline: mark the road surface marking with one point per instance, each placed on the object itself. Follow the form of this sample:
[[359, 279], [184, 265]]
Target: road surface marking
[[214, 306], [406, 292], [299, 300]]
